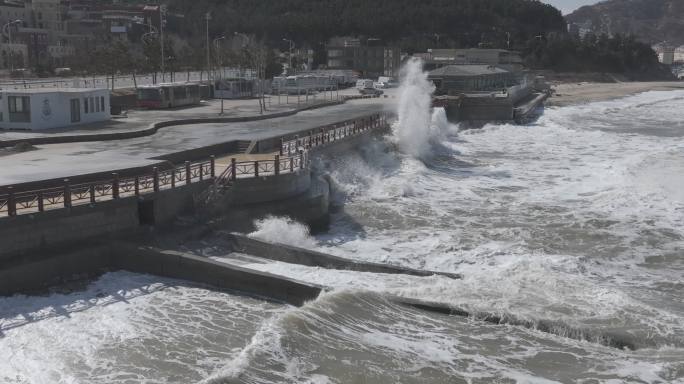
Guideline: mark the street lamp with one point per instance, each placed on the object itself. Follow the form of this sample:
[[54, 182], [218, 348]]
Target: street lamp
[[245, 42], [162, 21], [218, 52], [292, 45], [207, 17], [9, 32]]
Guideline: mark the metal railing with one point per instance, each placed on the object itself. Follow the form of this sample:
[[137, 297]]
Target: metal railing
[[332, 133], [260, 168], [294, 156], [69, 195]]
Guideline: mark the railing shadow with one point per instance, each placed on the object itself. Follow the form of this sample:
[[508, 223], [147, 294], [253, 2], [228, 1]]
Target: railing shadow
[[65, 300]]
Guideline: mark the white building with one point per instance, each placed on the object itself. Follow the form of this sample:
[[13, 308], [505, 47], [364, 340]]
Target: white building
[[38, 109]]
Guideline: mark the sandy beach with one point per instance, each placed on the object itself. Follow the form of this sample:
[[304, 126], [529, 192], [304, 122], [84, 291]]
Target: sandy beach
[[580, 93]]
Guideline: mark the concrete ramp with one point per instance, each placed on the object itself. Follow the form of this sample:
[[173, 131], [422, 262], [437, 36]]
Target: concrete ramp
[[294, 255], [201, 270]]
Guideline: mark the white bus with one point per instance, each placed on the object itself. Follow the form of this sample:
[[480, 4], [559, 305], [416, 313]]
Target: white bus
[[168, 95], [301, 84]]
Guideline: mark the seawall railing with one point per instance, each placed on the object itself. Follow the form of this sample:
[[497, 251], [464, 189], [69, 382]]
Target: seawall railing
[[294, 156]]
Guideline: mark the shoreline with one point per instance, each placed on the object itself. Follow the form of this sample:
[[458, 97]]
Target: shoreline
[[569, 94]]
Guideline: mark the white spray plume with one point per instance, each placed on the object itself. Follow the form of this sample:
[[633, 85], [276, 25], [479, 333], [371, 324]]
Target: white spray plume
[[413, 130], [283, 230]]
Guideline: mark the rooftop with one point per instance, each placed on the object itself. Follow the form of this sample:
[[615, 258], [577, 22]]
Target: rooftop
[[466, 70], [52, 90]]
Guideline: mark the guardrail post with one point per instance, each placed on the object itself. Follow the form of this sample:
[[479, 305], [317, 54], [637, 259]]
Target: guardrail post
[[136, 186], [115, 186], [11, 203], [41, 203], [155, 179], [291, 164], [310, 139], [282, 143], [276, 165], [301, 159], [91, 193], [233, 169], [188, 174], [201, 171], [67, 194], [212, 166], [256, 168]]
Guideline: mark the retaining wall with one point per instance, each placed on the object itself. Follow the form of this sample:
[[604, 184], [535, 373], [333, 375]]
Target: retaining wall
[[307, 205], [27, 234]]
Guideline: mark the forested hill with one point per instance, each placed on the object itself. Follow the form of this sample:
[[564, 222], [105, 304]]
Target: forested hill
[[651, 21], [463, 23]]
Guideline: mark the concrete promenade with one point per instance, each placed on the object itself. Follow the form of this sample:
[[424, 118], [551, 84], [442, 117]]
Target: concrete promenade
[[53, 161]]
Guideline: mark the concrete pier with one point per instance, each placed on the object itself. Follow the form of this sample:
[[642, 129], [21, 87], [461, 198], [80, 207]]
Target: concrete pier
[[92, 260], [294, 255]]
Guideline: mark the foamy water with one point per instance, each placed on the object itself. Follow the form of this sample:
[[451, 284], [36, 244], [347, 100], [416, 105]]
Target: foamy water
[[576, 220]]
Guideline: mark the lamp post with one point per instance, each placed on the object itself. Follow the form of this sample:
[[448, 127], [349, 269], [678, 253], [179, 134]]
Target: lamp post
[[218, 53], [292, 45], [207, 17], [9, 33], [245, 41], [162, 21], [220, 64]]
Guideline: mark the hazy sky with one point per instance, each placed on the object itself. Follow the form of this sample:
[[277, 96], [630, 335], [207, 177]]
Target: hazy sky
[[568, 6]]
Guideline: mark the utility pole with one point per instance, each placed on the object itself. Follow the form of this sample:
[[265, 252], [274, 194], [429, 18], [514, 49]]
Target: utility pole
[[162, 17], [208, 17], [292, 45], [9, 32], [219, 56]]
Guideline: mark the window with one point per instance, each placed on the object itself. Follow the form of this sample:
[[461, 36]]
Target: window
[[179, 93], [102, 107], [92, 105], [19, 109], [97, 106], [75, 110], [85, 105]]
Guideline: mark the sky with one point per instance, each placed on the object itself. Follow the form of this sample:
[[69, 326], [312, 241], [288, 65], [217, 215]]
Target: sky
[[567, 6]]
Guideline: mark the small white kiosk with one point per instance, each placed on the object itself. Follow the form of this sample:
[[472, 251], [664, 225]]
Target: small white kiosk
[[39, 109]]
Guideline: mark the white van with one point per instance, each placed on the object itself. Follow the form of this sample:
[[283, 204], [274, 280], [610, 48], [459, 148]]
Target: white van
[[367, 87]]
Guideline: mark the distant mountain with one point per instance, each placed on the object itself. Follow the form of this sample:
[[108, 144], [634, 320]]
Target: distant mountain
[[651, 21], [426, 24]]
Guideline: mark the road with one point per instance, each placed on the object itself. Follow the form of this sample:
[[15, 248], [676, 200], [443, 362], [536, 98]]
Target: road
[[65, 160]]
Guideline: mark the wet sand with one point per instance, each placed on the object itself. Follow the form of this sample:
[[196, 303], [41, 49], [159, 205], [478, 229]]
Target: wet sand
[[581, 93]]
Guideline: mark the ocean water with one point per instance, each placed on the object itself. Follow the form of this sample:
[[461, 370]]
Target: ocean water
[[571, 228]]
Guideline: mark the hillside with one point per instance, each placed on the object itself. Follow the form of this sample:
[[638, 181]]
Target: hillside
[[651, 21], [458, 23]]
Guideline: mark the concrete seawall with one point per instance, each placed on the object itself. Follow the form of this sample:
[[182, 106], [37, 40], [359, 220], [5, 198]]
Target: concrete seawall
[[302, 196], [24, 235]]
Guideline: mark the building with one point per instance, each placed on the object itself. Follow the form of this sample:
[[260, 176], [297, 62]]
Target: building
[[679, 55], [455, 79], [509, 60], [13, 53], [369, 58], [39, 109], [666, 52]]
